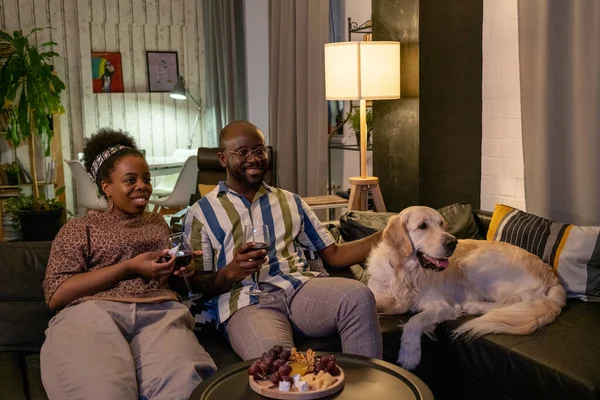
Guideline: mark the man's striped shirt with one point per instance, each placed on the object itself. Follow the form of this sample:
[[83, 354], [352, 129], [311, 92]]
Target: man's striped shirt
[[216, 223]]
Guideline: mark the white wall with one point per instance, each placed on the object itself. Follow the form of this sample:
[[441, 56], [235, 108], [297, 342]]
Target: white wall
[[158, 123], [256, 20], [502, 177]]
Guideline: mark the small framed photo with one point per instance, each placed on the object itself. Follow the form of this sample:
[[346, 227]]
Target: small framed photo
[[107, 72], [163, 70]]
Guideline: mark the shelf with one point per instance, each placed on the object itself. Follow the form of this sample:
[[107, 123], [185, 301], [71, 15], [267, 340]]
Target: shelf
[[40, 183], [351, 147]]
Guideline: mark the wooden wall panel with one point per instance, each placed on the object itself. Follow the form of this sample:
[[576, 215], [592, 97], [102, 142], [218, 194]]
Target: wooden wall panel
[[158, 123]]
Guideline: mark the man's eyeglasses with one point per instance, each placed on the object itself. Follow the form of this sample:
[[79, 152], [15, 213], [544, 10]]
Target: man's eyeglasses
[[260, 153]]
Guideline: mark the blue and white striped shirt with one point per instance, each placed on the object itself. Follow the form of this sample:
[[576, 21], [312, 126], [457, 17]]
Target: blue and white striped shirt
[[216, 223]]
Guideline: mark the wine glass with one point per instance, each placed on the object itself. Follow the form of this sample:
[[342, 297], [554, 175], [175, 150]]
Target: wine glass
[[181, 248], [259, 234]]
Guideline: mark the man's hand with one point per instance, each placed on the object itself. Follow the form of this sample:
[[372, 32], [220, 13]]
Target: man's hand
[[150, 265], [245, 262], [189, 269]]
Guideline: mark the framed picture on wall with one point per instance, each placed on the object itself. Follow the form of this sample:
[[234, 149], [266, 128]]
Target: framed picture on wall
[[107, 72], [163, 70]]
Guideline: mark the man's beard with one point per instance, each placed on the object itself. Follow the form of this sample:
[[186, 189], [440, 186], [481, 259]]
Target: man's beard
[[240, 177]]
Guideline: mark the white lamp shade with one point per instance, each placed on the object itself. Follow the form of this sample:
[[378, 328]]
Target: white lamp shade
[[362, 71]]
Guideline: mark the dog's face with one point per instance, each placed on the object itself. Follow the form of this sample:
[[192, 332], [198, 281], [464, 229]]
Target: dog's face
[[421, 231]]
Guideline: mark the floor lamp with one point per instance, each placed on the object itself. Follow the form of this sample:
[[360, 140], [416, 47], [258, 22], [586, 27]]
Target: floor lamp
[[179, 93], [363, 71]]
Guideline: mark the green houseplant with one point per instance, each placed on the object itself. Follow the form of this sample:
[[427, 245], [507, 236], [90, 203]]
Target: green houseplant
[[29, 94], [353, 118], [38, 218], [29, 89]]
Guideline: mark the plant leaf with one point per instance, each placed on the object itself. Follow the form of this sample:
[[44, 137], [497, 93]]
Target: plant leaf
[[49, 54]]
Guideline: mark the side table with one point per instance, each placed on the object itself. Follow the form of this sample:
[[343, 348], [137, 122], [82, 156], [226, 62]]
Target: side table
[[366, 378]]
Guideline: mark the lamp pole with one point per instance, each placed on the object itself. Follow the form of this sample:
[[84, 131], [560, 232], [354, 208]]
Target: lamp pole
[[191, 135]]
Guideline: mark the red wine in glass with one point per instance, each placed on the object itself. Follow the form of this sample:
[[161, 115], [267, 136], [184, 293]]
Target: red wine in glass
[[181, 248], [182, 258], [261, 246], [259, 234]]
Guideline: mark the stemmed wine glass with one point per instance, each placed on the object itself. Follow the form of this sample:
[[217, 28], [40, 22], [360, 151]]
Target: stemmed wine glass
[[181, 248], [259, 234]]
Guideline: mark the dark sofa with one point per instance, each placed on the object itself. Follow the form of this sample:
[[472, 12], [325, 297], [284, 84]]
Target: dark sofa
[[561, 361]]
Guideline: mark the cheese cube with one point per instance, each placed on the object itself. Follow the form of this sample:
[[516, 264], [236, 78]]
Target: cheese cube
[[303, 386], [284, 386]]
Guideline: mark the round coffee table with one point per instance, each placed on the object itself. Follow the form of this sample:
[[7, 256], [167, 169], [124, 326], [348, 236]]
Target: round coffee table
[[366, 378]]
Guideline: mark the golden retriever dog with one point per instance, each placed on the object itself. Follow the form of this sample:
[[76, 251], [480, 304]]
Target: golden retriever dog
[[420, 268]]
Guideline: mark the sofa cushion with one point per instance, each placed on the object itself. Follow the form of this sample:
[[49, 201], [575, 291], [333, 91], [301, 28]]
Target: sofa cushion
[[573, 251], [24, 315], [356, 225], [461, 222], [359, 224], [23, 263], [562, 357]]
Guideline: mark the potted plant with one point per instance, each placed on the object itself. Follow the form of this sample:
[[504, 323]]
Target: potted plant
[[30, 94], [353, 118], [38, 218]]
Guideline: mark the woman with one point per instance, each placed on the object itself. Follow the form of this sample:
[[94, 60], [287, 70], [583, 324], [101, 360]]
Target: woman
[[122, 333]]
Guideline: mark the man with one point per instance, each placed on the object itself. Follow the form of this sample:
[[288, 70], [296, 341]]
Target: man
[[301, 302]]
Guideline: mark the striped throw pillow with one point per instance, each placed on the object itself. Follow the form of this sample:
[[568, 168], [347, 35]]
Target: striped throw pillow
[[572, 251]]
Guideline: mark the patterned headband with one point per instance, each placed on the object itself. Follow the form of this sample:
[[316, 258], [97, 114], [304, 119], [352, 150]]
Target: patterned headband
[[100, 158]]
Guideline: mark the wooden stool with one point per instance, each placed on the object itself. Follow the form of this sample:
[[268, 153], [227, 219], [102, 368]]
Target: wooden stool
[[359, 190]]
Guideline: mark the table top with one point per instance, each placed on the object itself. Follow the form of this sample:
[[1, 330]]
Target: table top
[[366, 378], [164, 162]]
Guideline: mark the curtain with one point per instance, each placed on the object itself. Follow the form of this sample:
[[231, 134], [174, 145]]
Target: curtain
[[336, 34], [559, 60], [298, 31], [226, 99]]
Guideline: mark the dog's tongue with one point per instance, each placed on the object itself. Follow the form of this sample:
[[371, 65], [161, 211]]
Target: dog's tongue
[[442, 263]]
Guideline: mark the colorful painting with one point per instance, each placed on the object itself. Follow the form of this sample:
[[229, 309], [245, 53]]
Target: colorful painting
[[163, 70], [107, 72]]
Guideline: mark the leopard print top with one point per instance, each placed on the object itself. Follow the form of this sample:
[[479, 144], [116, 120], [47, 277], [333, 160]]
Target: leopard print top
[[98, 240]]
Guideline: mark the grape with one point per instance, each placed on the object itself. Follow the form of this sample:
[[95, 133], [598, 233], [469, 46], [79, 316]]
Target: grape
[[285, 369], [318, 367], [253, 368], [277, 363], [264, 368], [287, 378], [269, 359], [264, 356], [336, 371], [275, 378], [332, 358], [330, 367], [274, 353], [285, 355], [323, 361], [257, 377], [278, 349]]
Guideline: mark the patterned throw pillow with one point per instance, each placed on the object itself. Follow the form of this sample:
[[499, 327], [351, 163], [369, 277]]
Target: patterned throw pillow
[[572, 251]]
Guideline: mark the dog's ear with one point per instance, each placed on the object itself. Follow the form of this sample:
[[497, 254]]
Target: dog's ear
[[396, 235]]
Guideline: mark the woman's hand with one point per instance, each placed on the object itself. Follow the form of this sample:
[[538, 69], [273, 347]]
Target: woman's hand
[[189, 269], [151, 264]]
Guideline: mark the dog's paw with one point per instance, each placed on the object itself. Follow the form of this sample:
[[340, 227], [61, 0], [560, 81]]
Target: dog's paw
[[409, 357]]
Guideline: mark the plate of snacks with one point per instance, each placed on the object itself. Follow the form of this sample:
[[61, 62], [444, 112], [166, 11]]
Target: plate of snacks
[[289, 374]]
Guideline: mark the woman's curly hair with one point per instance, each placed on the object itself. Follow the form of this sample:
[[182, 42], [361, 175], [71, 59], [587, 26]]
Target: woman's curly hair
[[100, 141]]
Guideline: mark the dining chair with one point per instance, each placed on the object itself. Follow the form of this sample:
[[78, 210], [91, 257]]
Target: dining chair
[[87, 192], [184, 188], [165, 184]]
